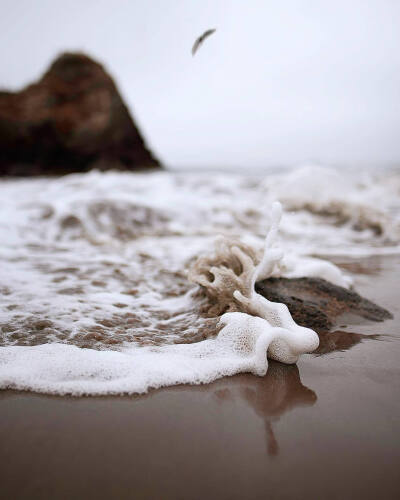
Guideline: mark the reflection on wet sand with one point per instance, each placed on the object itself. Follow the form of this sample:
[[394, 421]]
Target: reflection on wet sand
[[340, 341], [280, 391]]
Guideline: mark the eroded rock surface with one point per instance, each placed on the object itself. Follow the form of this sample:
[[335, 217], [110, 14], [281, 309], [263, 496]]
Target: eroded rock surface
[[316, 303], [71, 120]]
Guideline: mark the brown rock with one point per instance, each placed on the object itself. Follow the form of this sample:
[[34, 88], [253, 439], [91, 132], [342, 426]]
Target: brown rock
[[318, 304], [73, 119]]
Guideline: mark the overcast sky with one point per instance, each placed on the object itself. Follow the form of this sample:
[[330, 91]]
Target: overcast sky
[[280, 82]]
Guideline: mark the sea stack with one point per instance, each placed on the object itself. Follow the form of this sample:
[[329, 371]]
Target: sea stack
[[73, 119]]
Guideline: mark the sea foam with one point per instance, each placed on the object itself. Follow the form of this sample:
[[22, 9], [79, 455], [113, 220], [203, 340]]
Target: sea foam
[[95, 298]]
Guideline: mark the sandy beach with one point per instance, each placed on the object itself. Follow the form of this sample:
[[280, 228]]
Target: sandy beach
[[327, 427], [199, 250]]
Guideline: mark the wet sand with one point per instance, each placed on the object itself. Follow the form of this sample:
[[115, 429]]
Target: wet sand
[[327, 428]]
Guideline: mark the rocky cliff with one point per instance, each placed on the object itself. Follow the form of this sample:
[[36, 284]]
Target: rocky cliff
[[73, 119]]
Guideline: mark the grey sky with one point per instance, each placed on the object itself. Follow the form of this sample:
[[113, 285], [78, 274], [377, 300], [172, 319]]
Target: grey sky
[[278, 83]]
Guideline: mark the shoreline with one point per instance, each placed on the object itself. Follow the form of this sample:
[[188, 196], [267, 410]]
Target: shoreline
[[324, 428]]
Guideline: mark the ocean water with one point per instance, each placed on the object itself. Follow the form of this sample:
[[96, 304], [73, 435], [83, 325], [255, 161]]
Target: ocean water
[[95, 296]]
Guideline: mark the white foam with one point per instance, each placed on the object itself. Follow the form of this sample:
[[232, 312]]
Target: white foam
[[87, 259], [295, 266], [241, 346]]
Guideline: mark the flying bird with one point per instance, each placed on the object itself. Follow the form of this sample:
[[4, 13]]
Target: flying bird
[[199, 41]]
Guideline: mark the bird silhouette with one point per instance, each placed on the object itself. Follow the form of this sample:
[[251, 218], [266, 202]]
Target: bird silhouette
[[201, 39]]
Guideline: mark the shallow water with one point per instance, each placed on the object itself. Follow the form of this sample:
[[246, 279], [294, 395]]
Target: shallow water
[[324, 428], [100, 260]]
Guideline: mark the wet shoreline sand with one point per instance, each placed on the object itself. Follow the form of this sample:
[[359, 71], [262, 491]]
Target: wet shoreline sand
[[326, 428]]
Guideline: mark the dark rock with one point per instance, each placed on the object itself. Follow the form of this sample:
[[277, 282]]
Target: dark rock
[[318, 304], [72, 120]]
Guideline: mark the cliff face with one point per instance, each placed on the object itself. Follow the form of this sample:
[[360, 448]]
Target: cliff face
[[72, 120]]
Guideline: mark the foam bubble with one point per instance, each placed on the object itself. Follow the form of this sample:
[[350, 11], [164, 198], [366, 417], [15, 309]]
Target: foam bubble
[[241, 346], [94, 296]]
